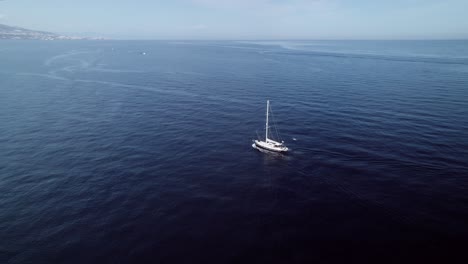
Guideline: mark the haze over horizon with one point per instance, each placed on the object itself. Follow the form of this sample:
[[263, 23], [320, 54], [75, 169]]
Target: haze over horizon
[[243, 19]]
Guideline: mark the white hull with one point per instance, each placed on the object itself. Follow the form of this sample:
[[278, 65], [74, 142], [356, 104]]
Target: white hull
[[276, 147]]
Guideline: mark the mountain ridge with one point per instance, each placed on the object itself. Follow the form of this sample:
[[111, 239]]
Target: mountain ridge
[[19, 33]]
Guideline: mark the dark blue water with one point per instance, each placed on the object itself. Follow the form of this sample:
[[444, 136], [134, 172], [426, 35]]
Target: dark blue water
[[108, 155]]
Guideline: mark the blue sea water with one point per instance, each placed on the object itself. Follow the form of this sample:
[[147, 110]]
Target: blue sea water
[[140, 151]]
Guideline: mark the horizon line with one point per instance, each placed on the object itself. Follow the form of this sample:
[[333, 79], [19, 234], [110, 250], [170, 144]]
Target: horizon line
[[241, 39]]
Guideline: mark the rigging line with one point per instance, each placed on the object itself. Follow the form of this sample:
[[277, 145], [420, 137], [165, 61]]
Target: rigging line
[[276, 128], [258, 136]]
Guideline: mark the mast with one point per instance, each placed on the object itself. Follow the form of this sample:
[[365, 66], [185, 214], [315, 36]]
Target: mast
[[266, 126]]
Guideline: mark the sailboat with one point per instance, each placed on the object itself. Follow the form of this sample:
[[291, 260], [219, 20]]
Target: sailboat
[[268, 143]]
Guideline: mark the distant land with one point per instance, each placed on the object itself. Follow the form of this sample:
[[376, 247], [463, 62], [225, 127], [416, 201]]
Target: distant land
[[10, 32]]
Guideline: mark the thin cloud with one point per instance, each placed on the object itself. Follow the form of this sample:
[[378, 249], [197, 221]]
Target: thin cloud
[[255, 3], [199, 27], [273, 8]]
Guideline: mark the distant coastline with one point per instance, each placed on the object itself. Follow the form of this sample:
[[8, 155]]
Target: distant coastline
[[18, 33]]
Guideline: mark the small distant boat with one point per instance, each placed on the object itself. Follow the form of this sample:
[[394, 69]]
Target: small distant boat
[[268, 143]]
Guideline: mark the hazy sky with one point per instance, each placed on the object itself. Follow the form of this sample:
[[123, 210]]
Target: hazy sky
[[243, 19]]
